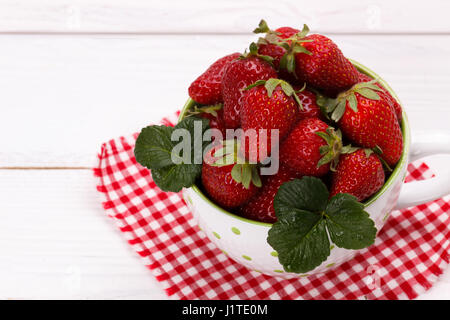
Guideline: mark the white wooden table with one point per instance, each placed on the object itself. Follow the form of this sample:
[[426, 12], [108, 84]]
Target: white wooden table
[[74, 74]]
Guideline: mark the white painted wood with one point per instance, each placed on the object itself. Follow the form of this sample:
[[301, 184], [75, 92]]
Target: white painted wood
[[231, 16], [62, 96], [56, 242]]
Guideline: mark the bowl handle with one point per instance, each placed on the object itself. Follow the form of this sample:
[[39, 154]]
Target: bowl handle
[[418, 192]]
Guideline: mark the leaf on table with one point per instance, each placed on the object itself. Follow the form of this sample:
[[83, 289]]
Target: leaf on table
[[348, 224], [301, 241]]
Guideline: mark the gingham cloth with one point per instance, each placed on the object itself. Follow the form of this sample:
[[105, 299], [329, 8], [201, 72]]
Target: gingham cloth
[[408, 256]]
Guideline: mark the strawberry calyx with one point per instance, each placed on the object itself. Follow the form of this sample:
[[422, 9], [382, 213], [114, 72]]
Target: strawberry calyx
[[211, 109], [271, 35], [242, 172], [333, 149], [271, 85], [253, 52], [335, 107], [368, 152], [292, 45], [321, 101], [246, 173], [377, 150]]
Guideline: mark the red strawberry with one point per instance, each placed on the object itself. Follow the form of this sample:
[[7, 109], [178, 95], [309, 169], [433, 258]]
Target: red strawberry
[[227, 184], [286, 32], [260, 206], [311, 147], [216, 121], [267, 105], [359, 173], [214, 114], [272, 50], [310, 108], [238, 75], [324, 67], [267, 46], [206, 88], [397, 107], [368, 120]]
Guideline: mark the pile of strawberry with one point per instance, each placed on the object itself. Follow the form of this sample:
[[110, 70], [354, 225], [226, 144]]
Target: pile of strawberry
[[334, 122]]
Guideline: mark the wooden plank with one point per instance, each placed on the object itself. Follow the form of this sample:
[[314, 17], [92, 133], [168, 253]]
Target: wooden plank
[[234, 16], [62, 96], [57, 242]]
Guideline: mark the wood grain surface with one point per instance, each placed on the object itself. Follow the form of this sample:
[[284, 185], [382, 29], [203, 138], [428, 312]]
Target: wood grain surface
[[77, 73]]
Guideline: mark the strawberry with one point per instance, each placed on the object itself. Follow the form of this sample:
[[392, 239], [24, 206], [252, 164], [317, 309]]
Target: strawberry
[[311, 148], [313, 59], [286, 32], [268, 46], [238, 75], [206, 88], [397, 107], [227, 183], [368, 119], [323, 65], [359, 173], [310, 108], [216, 121], [260, 206], [272, 50], [267, 105], [214, 114]]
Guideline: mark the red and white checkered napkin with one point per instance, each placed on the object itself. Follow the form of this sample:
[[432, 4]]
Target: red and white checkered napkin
[[409, 254]]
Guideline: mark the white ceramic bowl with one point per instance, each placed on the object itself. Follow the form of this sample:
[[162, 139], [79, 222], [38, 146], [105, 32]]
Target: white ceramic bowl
[[245, 241]]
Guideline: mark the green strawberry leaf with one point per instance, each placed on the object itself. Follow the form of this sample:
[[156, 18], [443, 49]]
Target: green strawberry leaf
[[156, 151], [301, 241], [307, 193], [154, 147], [175, 177], [348, 224], [307, 219]]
